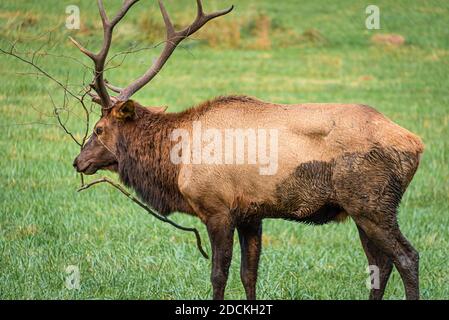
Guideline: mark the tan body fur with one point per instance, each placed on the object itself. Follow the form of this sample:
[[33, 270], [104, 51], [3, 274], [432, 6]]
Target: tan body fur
[[307, 132]]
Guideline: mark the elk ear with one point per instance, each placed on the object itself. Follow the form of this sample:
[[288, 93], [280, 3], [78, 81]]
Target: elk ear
[[125, 110], [158, 109]]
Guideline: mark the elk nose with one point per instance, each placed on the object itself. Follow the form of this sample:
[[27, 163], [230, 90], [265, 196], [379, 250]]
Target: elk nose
[[75, 163]]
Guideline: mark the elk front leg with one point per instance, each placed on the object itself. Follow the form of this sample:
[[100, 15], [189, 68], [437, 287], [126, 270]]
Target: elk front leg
[[221, 233], [250, 236]]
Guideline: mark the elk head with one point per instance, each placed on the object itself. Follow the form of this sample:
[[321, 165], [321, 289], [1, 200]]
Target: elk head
[[99, 152]]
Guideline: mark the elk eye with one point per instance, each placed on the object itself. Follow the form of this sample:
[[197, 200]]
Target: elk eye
[[98, 130]]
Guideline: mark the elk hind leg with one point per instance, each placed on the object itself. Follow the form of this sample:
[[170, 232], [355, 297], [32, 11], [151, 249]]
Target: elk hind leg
[[379, 260], [395, 246]]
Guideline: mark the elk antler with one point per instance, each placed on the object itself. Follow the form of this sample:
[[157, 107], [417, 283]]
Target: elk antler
[[99, 58], [173, 38]]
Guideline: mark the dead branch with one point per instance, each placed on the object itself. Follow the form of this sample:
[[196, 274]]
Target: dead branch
[[148, 209], [99, 85], [61, 123]]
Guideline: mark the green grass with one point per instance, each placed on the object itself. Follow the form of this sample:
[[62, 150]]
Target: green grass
[[45, 225]]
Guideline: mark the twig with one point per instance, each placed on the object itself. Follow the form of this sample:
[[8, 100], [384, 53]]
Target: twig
[[80, 96], [61, 124], [38, 68], [148, 209]]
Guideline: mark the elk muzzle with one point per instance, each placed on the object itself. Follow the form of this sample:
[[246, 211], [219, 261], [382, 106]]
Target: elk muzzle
[[84, 166], [93, 157]]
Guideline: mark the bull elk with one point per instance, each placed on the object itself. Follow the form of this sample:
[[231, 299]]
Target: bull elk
[[334, 161]]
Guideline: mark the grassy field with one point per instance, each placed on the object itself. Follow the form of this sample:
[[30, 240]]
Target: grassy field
[[285, 52]]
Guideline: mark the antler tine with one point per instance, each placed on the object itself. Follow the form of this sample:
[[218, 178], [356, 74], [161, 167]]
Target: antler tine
[[172, 40], [82, 49], [103, 15], [202, 19], [112, 87], [168, 25], [99, 59], [122, 12], [207, 17]]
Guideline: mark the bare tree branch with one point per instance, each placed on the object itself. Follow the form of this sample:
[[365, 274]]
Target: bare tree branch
[[31, 62], [100, 85], [61, 123], [148, 209]]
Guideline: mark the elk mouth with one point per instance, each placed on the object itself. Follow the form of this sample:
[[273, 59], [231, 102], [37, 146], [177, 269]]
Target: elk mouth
[[91, 168], [88, 169]]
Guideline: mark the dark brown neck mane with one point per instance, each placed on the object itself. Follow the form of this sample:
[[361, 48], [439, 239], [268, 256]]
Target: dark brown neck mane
[[143, 149], [144, 164]]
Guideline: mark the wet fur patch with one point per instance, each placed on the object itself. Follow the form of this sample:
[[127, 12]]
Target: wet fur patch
[[357, 183]]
